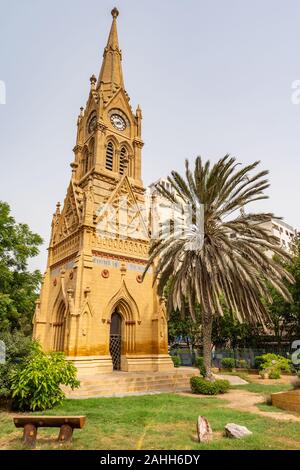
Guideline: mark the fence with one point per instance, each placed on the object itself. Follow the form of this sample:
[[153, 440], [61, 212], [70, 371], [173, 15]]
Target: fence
[[246, 354], [188, 358]]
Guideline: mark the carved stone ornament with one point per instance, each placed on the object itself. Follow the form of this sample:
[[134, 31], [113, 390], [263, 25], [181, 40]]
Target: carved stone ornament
[[105, 273]]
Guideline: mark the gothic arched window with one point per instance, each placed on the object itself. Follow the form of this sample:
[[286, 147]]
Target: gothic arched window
[[91, 153], [122, 165], [59, 328], [130, 170], [85, 161], [109, 156]]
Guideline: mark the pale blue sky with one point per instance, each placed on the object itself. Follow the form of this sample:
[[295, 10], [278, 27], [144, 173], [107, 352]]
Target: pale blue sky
[[211, 77]]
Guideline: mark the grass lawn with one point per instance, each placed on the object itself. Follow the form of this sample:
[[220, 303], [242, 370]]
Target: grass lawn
[[264, 389], [270, 408], [165, 421]]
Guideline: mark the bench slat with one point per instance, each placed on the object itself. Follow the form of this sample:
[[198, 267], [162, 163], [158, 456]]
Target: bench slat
[[76, 422]]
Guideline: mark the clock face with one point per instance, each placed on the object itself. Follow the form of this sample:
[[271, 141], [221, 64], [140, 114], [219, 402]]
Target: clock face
[[118, 122], [92, 124]]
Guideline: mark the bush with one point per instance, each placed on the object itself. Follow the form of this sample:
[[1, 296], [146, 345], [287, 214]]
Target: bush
[[258, 361], [222, 385], [176, 361], [274, 374], [228, 363], [205, 387], [242, 363], [201, 366], [18, 348], [36, 386], [264, 373], [273, 361]]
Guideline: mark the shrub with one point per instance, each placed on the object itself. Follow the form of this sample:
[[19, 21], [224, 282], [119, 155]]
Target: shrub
[[228, 363], [18, 347], [273, 361], [242, 363], [36, 386], [205, 387], [264, 373], [201, 366], [176, 361], [258, 361], [274, 374], [222, 385]]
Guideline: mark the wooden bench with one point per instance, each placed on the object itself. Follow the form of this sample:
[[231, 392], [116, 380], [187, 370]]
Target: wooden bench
[[67, 424]]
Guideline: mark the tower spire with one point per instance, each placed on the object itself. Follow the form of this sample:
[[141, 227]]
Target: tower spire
[[111, 71]]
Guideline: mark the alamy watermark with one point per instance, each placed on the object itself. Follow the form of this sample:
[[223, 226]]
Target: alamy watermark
[[155, 218], [2, 352], [2, 92], [295, 96], [295, 356]]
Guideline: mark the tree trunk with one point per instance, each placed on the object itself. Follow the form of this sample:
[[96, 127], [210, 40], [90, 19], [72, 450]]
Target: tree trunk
[[207, 321]]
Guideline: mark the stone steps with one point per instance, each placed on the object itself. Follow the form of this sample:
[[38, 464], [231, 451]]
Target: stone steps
[[143, 388], [133, 383], [129, 382]]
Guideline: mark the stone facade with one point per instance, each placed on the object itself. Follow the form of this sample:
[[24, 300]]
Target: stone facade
[[93, 292]]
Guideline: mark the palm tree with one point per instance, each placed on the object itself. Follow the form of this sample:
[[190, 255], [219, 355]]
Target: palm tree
[[224, 253]]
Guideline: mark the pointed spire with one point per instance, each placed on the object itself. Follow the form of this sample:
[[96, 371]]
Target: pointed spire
[[111, 70], [113, 41]]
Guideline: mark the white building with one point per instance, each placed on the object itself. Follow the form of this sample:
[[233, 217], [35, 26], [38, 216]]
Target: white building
[[283, 232], [163, 182]]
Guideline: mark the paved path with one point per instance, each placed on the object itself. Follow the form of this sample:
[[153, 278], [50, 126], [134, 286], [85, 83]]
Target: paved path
[[232, 379], [243, 400]]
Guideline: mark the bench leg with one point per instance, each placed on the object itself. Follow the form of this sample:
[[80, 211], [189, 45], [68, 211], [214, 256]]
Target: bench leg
[[29, 435], [65, 433]]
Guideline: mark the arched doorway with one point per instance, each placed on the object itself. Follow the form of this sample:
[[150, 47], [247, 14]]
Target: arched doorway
[[59, 327], [115, 341]]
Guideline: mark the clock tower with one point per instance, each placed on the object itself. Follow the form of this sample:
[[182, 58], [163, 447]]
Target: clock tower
[[94, 304]]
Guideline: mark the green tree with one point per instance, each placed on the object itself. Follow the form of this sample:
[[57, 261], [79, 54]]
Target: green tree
[[185, 327], [18, 286], [285, 317], [222, 253], [17, 349], [37, 385]]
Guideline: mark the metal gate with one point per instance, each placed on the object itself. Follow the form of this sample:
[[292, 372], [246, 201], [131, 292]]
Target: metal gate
[[115, 345], [115, 351]]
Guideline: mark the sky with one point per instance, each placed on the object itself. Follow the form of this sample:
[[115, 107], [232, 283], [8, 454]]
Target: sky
[[211, 76]]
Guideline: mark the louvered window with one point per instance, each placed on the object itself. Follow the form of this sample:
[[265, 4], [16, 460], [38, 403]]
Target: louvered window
[[122, 160], [109, 156]]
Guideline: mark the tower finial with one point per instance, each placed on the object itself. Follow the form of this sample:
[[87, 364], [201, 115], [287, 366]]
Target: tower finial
[[93, 81], [115, 13], [111, 71]]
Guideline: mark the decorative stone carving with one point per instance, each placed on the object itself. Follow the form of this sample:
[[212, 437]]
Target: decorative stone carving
[[123, 269], [70, 299]]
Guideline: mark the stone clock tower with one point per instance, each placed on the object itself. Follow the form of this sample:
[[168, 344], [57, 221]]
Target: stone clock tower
[[94, 305]]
